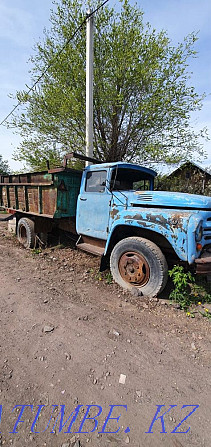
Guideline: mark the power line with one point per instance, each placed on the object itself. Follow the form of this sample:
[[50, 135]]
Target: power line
[[56, 57]]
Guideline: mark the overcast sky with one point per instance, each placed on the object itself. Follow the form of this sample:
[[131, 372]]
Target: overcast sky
[[22, 23]]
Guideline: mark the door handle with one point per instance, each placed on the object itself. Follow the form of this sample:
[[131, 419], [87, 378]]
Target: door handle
[[81, 198]]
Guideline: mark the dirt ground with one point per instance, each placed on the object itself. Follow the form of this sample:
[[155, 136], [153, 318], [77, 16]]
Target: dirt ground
[[66, 337]]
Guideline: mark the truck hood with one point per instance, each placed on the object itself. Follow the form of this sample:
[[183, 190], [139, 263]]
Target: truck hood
[[165, 199]]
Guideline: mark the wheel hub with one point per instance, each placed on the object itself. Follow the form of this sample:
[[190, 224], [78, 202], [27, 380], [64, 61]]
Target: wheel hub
[[134, 268]]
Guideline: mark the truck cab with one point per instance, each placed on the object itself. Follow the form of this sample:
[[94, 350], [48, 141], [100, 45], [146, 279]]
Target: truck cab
[[99, 186], [122, 218]]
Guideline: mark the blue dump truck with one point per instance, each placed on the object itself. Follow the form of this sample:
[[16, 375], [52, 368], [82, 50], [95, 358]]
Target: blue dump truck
[[116, 214]]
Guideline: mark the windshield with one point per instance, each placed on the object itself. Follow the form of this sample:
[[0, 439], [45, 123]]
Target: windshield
[[130, 179]]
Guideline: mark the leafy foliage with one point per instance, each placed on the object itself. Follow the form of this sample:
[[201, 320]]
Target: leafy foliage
[[186, 291], [181, 293], [142, 93], [4, 166]]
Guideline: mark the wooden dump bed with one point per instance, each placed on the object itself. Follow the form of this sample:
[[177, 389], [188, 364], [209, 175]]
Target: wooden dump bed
[[49, 193]]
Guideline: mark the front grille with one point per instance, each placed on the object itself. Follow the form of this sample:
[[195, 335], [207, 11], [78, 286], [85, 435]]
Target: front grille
[[145, 197], [207, 230]]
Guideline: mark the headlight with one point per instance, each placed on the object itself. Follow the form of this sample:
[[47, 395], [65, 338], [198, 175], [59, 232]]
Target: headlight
[[199, 232]]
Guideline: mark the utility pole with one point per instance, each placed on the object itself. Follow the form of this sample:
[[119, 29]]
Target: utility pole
[[89, 85]]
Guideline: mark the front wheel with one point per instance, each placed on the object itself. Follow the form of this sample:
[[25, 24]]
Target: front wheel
[[138, 262]]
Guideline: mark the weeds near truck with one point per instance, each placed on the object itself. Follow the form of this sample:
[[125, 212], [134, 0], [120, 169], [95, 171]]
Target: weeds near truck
[[187, 292], [206, 314], [36, 251], [109, 277], [200, 291], [104, 276], [182, 292]]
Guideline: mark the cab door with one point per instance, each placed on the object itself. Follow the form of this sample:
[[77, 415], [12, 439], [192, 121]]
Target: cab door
[[94, 205]]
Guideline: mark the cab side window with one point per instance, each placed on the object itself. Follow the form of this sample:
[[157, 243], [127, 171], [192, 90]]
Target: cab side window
[[95, 181]]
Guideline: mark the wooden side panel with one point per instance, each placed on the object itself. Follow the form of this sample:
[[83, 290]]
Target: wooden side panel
[[12, 200], [33, 200], [23, 178], [21, 198], [40, 177], [49, 200], [5, 179], [52, 194]]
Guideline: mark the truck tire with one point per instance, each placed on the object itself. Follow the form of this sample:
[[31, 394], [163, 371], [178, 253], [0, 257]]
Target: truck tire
[[138, 262], [25, 232]]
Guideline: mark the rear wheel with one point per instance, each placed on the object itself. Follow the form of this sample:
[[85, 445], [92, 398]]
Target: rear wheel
[[25, 232], [138, 262]]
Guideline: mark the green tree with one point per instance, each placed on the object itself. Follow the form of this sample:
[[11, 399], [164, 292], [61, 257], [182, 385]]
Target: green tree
[[142, 93], [4, 166]]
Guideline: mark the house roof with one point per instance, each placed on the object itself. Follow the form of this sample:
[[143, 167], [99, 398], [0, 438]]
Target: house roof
[[188, 164]]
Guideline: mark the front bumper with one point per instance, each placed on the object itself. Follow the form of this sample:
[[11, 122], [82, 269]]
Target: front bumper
[[203, 265]]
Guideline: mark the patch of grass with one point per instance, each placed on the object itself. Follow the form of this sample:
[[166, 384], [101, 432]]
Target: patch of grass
[[202, 289], [109, 278], [36, 251], [98, 276], [206, 314], [200, 293], [104, 276]]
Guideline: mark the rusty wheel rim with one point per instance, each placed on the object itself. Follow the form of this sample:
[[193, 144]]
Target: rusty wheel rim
[[134, 268]]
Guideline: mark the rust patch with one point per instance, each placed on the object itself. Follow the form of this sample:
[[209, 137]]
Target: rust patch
[[150, 218], [114, 212], [49, 198], [158, 218], [134, 268], [134, 217], [175, 221]]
